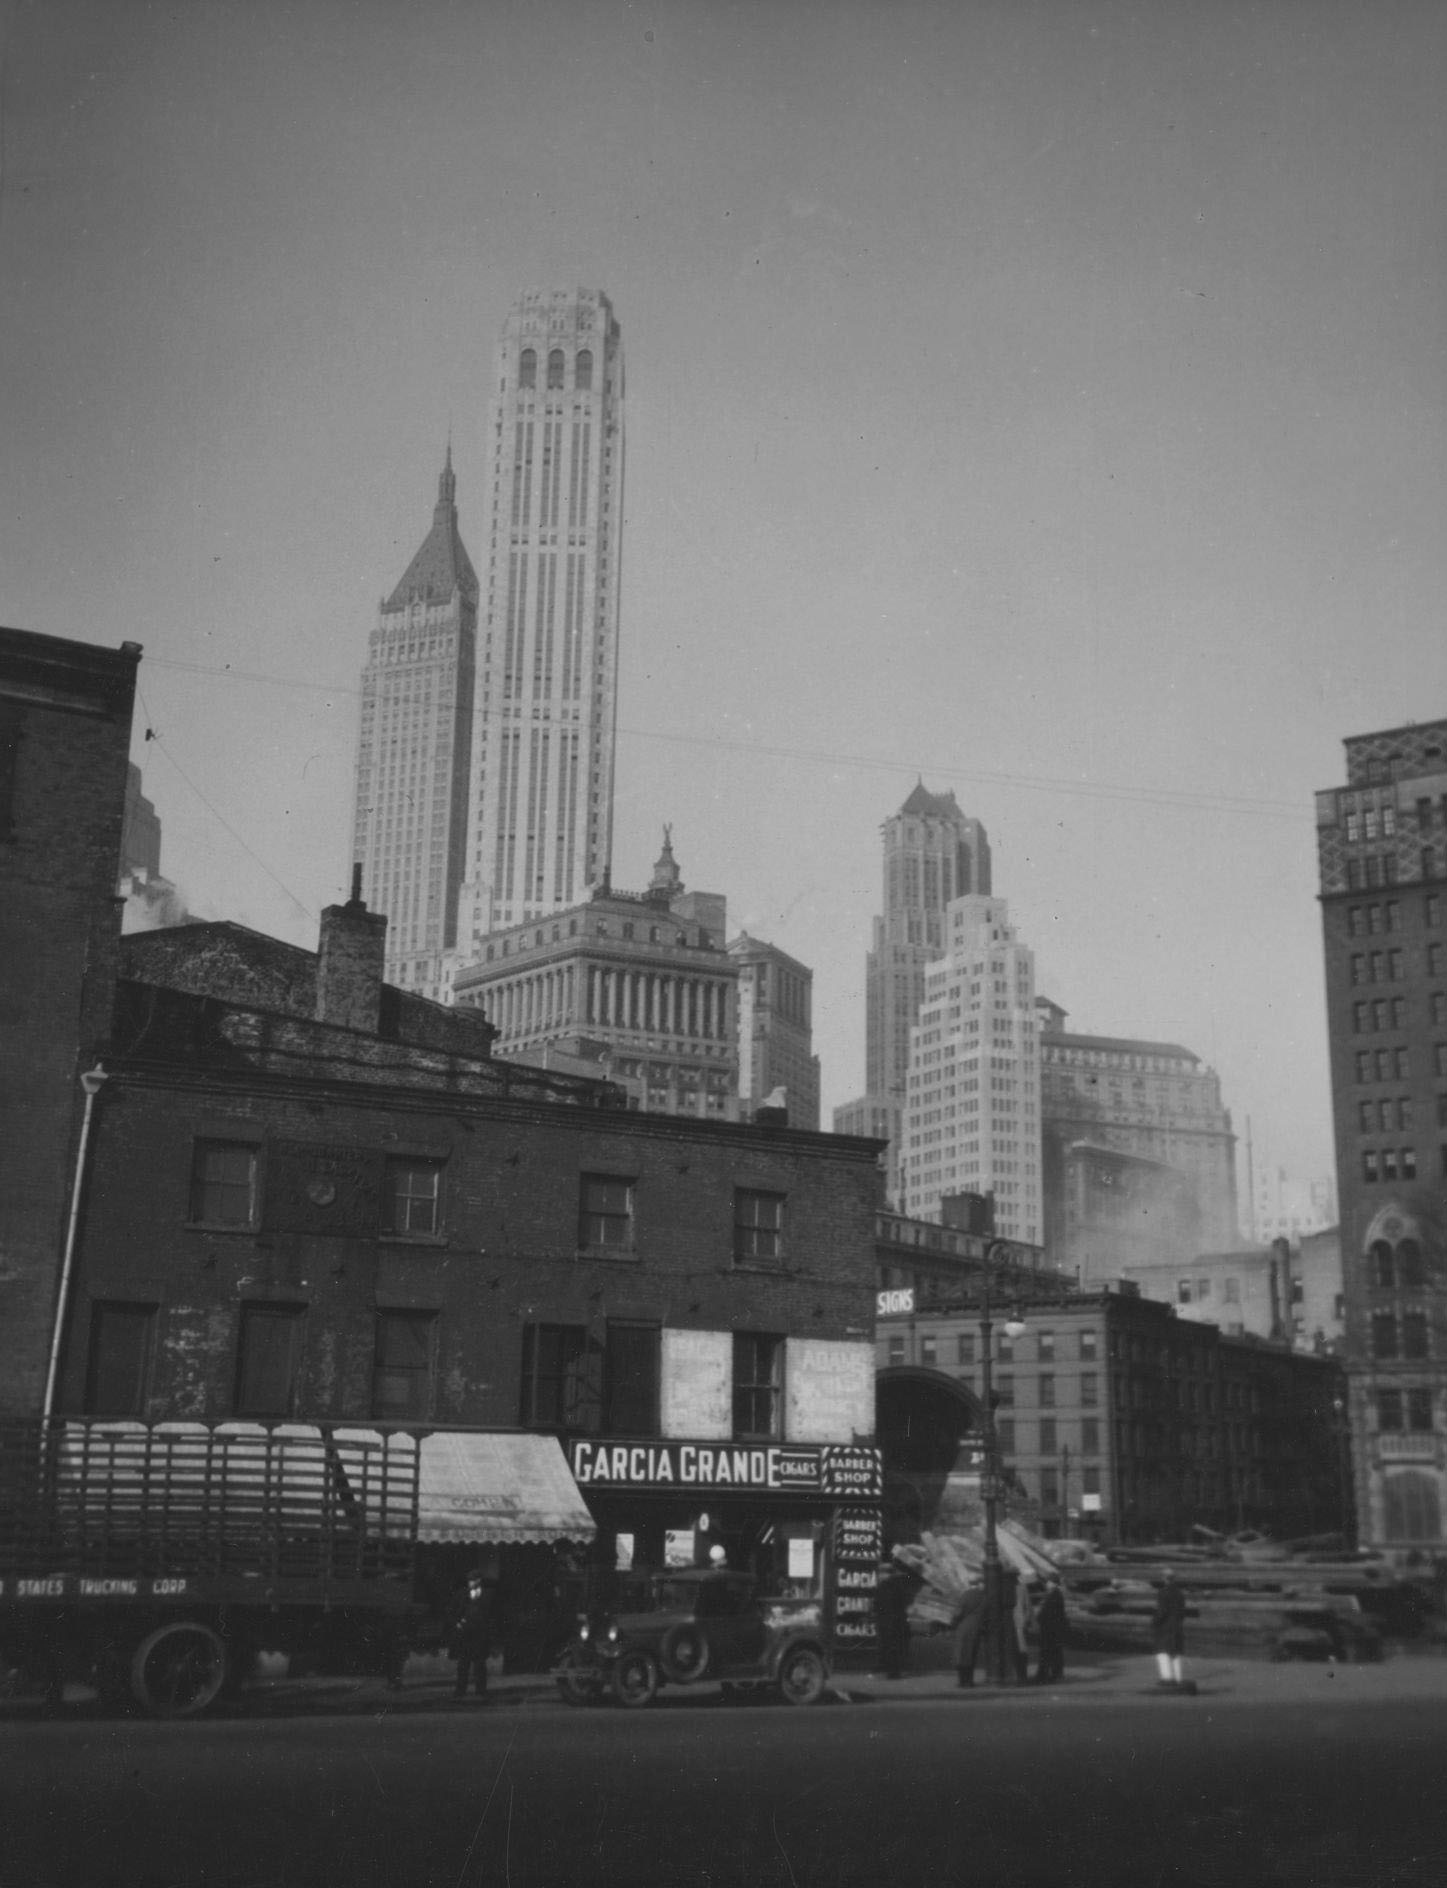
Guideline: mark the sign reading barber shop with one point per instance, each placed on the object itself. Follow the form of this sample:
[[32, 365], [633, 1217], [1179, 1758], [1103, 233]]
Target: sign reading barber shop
[[844, 1469]]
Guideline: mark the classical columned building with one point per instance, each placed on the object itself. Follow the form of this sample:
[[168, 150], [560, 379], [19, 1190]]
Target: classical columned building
[[634, 986]]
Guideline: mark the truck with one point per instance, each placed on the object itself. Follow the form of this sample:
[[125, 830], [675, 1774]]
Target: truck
[[157, 1561]]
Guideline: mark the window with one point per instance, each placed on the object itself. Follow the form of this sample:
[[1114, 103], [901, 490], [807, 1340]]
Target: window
[[1004, 1348], [1005, 1436], [1413, 1506], [122, 1339], [1004, 1392], [1384, 1334], [1381, 1265], [558, 1378], [268, 1358], [631, 1370], [1047, 1391], [1047, 1435], [1414, 1335], [403, 1363], [1049, 1488], [896, 1350], [965, 1348], [758, 1227], [605, 1213], [1089, 1389], [1090, 1480], [927, 1351], [412, 1198], [527, 369], [1088, 1346], [223, 1183], [1369, 1164], [555, 368], [1090, 1436], [1389, 1409], [1419, 1409], [758, 1384], [1409, 1261], [583, 371], [1232, 1291], [1046, 1341]]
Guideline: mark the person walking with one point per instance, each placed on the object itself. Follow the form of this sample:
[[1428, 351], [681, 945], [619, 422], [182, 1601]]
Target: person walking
[[1050, 1629], [471, 1638], [1022, 1617], [1168, 1631], [891, 1617], [968, 1623]]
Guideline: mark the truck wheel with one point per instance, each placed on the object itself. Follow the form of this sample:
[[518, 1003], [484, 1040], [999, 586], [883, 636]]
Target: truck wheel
[[178, 1669], [802, 1676], [635, 1680], [684, 1653], [570, 1672]]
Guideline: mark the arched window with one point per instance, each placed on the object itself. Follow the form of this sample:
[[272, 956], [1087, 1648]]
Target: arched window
[[1383, 1267], [528, 368], [1409, 1264], [1414, 1508], [583, 373], [555, 368]]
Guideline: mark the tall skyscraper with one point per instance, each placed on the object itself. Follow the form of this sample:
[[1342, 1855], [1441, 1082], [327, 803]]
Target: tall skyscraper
[[972, 1109], [540, 825], [1382, 855], [776, 1030], [409, 821], [933, 853]]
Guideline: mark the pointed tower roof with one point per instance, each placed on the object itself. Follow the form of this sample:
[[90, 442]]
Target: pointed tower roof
[[441, 564], [940, 805]]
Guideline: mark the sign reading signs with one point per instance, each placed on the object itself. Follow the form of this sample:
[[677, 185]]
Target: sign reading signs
[[898, 1303], [782, 1468]]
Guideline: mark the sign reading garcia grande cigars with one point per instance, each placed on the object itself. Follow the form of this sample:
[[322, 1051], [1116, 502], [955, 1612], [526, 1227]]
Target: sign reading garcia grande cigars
[[784, 1468]]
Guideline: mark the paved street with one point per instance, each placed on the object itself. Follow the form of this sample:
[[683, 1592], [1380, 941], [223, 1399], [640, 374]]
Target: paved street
[[1305, 1775]]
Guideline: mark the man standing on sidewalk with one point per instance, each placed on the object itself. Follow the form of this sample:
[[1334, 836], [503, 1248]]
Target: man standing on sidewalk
[[471, 1638], [1050, 1632]]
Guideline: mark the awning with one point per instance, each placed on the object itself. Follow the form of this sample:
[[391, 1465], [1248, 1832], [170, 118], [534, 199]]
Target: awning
[[501, 1488]]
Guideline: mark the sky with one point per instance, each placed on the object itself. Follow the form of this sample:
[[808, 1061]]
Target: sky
[[1038, 397]]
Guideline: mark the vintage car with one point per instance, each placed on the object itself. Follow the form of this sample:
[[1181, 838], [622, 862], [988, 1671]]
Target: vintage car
[[698, 1625]]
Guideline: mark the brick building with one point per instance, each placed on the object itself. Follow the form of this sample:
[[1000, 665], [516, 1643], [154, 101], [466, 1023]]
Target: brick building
[[65, 730], [1382, 855], [1116, 1418]]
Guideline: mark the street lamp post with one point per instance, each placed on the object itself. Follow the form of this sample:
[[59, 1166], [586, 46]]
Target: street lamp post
[[993, 1478]]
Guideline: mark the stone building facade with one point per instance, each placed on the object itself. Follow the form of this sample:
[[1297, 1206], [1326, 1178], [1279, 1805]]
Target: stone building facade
[[776, 1033], [1382, 855]]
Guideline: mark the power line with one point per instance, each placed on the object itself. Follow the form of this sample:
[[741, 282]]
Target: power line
[[1183, 799]]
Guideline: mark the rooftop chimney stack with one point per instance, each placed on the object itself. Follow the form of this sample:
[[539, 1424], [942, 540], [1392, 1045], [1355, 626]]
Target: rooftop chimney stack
[[350, 950]]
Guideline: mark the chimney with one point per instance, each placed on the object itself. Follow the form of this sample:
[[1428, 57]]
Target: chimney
[[350, 950]]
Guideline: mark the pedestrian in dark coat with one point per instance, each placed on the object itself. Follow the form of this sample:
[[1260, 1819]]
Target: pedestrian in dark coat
[[1168, 1629], [891, 1617], [1050, 1630], [968, 1624], [471, 1637]]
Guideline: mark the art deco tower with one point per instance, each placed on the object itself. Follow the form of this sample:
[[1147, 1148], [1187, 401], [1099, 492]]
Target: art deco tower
[[541, 814], [410, 815]]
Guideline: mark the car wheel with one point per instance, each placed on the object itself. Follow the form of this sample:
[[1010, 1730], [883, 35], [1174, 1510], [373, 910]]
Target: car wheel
[[684, 1653], [178, 1670], [635, 1680], [802, 1676]]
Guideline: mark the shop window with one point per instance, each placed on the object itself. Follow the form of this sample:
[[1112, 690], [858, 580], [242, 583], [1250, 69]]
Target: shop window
[[403, 1365], [223, 1184], [412, 1199], [559, 1380], [605, 1212], [758, 1227], [631, 1371], [122, 1343], [268, 1359], [758, 1385]]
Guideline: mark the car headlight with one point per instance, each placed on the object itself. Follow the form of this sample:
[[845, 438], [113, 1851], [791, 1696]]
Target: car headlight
[[585, 1632], [613, 1635]]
